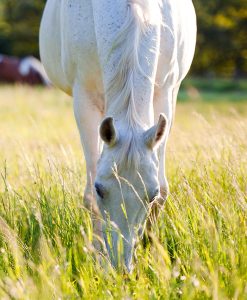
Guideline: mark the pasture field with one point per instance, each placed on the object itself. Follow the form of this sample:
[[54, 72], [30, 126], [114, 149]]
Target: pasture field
[[199, 244]]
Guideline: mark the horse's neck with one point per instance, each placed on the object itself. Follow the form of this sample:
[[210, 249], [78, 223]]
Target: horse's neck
[[131, 63], [132, 104], [137, 113]]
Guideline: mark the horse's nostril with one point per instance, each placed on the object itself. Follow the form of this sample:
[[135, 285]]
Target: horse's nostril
[[99, 189], [155, 195]]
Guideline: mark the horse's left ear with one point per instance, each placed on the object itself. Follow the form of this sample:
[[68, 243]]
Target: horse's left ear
[[108, 132], [154, 136]]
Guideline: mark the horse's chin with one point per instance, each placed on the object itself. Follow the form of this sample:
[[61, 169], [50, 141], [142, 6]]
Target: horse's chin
[[121, 260], [129, 267]]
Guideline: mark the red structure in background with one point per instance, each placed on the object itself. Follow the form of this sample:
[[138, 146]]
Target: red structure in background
[[28, 70]]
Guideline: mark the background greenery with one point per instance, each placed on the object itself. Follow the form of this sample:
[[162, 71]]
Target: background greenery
[[221, 48]]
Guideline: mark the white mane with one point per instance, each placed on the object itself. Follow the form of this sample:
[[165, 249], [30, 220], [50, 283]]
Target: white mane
[[140, 15]]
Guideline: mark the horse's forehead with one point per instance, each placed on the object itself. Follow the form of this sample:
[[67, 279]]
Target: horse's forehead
[[126, 173], [125, 161]]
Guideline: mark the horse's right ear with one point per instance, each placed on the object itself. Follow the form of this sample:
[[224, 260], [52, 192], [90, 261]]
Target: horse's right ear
[[155, 135], [108, 132]]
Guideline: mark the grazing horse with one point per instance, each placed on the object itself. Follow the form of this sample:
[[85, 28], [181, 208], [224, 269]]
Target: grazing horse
[[123, 62], [28, 70]]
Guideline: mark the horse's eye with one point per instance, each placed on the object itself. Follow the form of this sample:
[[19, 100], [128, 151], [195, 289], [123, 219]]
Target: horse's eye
[[99, 190], [155, 195]]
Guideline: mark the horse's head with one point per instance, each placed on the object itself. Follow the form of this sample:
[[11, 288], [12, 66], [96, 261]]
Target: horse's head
[[126, 185]]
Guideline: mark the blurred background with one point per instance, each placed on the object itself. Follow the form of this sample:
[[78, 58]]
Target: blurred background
[[221, 45]]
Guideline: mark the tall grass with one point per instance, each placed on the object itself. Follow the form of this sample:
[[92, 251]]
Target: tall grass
[[198, 248]]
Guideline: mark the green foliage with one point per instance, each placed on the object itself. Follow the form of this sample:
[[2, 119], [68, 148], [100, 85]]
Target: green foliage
[[198, 248], [19, 26], [221, 43]]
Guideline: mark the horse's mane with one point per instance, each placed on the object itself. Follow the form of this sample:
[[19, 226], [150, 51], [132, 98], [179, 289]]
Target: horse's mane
[[140, 15]]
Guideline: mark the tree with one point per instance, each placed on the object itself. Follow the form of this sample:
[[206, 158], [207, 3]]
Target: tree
[[222, 42], [20, 26]]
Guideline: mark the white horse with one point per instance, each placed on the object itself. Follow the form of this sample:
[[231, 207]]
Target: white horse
[[123, 62]]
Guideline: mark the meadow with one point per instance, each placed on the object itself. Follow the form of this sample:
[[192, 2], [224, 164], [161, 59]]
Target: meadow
[[199, 246]]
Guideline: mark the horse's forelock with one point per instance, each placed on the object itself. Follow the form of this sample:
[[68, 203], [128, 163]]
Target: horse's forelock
[[129, 152]]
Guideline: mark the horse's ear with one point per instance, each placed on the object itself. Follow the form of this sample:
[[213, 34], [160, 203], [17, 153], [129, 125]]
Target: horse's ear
[[154, 136], [108, 132]]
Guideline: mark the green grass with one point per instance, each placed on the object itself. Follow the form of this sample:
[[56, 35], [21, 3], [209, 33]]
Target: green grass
[[199, 89], [199, 244]]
